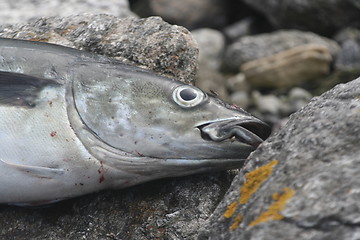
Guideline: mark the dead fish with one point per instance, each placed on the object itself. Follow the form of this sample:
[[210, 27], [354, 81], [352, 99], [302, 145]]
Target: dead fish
[[73, 122]]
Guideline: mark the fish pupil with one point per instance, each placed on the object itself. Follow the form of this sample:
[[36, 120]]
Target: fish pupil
[[188, 94]]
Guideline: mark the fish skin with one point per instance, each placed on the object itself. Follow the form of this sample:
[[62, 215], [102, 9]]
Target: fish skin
[[72, 122]]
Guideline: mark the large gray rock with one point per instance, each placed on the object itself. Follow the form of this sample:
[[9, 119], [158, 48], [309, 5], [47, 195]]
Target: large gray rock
[[151, 42], [320, 16], [303, 182], [22, 11], [249, 48]]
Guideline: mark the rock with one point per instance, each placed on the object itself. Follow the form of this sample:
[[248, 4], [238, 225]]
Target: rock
[[239, 29], [268, 103], [263, 45], [210, 80], [151, 42], [303, 182], [240, 99], [187, 13], [288, 68], [211, 45], [298, 98], [163, 209], [318, 16], [349, 55], [237, 83], [22, 11]]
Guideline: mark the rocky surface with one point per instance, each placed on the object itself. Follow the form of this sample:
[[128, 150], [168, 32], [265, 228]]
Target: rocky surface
[[320, 16], [22, 11], [163, 209], [303, 182], [151, 42]]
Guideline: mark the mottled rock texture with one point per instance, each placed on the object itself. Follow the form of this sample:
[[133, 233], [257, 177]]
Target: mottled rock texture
[[303, 182], [151, 42]]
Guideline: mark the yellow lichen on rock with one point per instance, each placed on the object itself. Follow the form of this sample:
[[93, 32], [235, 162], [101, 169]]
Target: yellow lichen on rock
[[273, 212], [238, 219], [231, 209], [254, 179]]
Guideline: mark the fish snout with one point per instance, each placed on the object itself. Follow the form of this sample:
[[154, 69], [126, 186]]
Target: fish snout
[[251, 132]]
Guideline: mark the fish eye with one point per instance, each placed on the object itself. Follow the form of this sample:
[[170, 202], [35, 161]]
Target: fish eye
[[188, 96]]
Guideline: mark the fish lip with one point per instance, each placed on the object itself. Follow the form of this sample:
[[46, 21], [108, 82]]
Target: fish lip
[[251, 132]]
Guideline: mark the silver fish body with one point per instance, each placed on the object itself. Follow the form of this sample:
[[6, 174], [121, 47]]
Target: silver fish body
[[72, 122]]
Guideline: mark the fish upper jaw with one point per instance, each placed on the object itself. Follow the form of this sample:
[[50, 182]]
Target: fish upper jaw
[[250, 131]]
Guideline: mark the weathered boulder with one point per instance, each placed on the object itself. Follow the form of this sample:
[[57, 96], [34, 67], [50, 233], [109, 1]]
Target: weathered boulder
[[249, 48], [320, 16], [303, 182], [151, 42]]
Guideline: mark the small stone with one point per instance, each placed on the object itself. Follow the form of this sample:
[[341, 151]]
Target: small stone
[[267, 103], [288, 68], [237, 83], [240, 99], [298, 98], [349, 55], [211, 45], [239, 29], [210, 80], [249, 48]]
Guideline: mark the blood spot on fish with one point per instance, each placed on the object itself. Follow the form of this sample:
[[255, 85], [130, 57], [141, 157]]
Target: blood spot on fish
[[53, 133], [102, 172]]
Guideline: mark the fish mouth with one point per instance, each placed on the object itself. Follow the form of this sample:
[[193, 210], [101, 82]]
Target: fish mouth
[[250, 132]]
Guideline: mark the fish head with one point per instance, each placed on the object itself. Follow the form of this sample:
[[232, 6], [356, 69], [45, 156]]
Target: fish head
[[180, 126]]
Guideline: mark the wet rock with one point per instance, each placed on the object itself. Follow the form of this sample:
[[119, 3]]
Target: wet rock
[[349, 55], [151, 42], [187, 13], [319, 16], [263, 45], [211, 45], [22, 11], [288, 68], [303, 182]]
